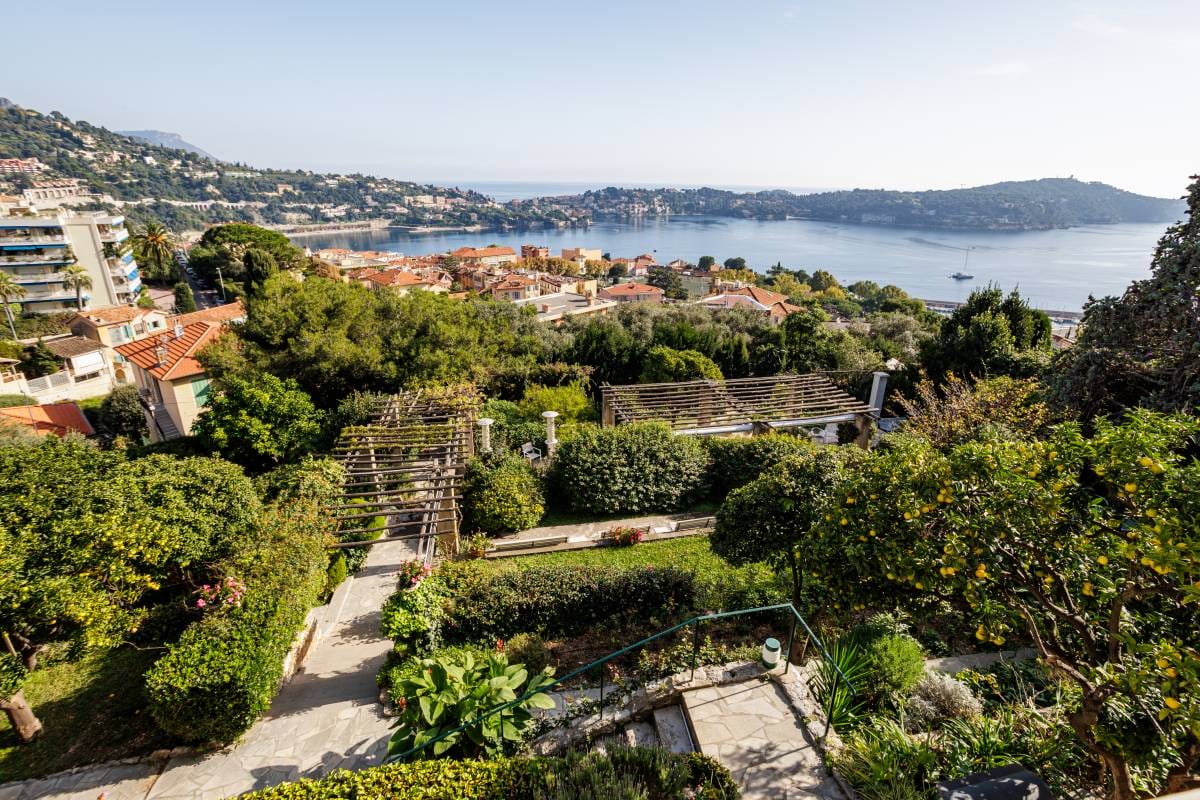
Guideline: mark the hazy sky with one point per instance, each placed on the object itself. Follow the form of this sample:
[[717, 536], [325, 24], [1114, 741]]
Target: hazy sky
[[841, 93]]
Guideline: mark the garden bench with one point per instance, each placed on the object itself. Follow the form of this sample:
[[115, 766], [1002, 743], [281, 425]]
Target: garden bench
[[530, 452], [521, 544]]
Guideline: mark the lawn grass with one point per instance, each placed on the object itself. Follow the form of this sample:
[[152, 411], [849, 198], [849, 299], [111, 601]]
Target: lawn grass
[[93, 710], [719, 582]]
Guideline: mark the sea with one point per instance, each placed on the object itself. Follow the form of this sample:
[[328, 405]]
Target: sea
[[1055, 270]]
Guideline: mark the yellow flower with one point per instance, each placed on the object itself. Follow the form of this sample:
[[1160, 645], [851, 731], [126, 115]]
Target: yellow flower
[[1102, 560], [1171, 702]]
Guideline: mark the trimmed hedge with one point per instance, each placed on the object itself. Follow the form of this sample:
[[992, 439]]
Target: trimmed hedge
[[502, 495], [648, 773], [737, 461], [556, 600], [629, 469], [223, 672]]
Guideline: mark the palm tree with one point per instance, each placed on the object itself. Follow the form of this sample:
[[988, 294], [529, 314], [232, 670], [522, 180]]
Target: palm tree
[[10, 290], [77, 278], [156, 245]]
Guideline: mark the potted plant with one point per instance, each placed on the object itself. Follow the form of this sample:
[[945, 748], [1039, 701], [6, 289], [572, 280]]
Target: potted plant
[[477, 545]]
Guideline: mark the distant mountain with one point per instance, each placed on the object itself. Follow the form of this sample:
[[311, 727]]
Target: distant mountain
[[166, 139], [1014, 205], [186, 189]]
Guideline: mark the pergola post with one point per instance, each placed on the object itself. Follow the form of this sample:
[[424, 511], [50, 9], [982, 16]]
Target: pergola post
[[878, 388], [551, 441], [485, 434]]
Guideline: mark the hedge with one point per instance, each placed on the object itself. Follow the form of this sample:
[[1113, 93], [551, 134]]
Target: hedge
[[555, 600], [632, 468], [502, 495], [223, 672], [737, 461], [650, 773]]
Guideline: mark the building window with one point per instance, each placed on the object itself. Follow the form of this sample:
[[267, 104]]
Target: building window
[[201, 390]]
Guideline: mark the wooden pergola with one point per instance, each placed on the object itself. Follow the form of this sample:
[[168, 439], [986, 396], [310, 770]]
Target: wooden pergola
[[406, 464], [740, 405]]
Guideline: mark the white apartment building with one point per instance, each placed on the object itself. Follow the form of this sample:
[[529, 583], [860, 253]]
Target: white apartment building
[[36, 249]]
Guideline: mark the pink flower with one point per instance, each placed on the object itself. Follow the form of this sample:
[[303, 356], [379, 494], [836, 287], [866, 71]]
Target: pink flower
[[200, 603]]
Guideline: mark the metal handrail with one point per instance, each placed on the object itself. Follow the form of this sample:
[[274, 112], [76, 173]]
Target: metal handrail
[[796, 617]]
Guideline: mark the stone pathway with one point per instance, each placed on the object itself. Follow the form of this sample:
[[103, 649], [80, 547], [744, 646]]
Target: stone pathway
[[753, 730], [327, 717]]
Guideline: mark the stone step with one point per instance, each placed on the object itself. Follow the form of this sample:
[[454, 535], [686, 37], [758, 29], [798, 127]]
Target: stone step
[[641, 734], [672, 730]]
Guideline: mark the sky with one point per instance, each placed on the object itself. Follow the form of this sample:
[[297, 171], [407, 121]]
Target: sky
[[779, 93]]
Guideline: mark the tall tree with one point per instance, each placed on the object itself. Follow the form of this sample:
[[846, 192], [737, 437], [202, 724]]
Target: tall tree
[[185, 300], [1144, 347], [259, 265], [10, 290], [706, 263], [155, 245], [77, 278], [990, 334]]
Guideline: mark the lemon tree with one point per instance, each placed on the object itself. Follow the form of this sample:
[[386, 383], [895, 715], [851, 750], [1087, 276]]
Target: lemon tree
[[1087, 546]]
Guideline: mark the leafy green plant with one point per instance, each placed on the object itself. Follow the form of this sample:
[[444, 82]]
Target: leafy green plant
[[223, 672], [555, 600], [737, 461], [894, 665], [449, 693], [412, 616], [502, 495], [882, 762], [842, 704], [1026, 682], [678, 657], [630, 468], [528, 649]]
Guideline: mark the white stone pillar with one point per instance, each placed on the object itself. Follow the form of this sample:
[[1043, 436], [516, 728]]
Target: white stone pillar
[[551, 442], [878, 387], [485, 434]]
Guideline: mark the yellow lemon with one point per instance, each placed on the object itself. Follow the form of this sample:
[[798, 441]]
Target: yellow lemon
[[1171, 702], [1102, 560], [1131, 487]]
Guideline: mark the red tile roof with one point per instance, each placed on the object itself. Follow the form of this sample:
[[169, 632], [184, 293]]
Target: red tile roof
[[59, 419], [631, 289], [397, 277], [760, 295], [217, 314], [179, 360], [483, 252]]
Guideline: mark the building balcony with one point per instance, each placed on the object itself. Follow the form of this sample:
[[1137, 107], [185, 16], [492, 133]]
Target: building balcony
[[31, 240], [21, 259], [51, 297], [38, 278], [113, 235]]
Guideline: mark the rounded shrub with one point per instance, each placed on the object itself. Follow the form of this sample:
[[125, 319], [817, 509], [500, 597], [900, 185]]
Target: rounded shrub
[[528, 649], [737, 461], [502, 495], [635, 468]]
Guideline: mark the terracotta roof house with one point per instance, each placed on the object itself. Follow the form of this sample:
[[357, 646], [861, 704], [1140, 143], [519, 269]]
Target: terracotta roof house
[[632, 293], [485, 256], [760, 295], [171, 381], [59, 419], [516, 287], [117, 324], [402, 282]]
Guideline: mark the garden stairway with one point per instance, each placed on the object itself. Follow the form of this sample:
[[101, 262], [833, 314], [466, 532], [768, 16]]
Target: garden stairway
[[754, 730]]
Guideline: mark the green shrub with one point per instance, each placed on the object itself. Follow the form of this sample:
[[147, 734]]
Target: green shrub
[[737, 461], [223, 672], [412, 618], [882, 762], [938, 697], [641, 467], [528, 649], [570, 401], [894, 665], [121, 413], [536, 778], [557, 600], [10, 400], [843, 703], [456, 690], [336, 573], [398, 667], [502, 495]]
